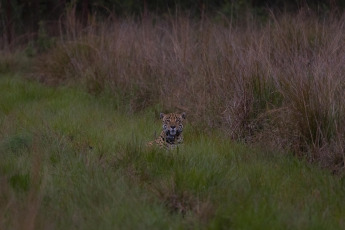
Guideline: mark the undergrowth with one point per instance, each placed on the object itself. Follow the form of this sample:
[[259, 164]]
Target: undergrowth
[[73, 161]]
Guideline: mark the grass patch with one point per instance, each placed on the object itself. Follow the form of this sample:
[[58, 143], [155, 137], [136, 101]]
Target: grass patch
[[70, 160]]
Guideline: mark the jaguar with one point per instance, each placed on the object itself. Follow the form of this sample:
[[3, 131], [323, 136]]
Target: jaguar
[[171, 135]]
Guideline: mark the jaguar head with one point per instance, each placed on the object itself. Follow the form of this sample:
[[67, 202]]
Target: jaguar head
[[172, 125]]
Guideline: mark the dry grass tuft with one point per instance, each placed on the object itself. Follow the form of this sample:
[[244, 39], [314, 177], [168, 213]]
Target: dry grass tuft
[[182, 202]]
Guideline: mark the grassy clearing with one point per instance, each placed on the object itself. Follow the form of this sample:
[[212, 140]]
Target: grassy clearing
[[71, 161]]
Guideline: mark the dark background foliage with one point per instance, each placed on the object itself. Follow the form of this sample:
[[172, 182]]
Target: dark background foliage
[[20, 17]]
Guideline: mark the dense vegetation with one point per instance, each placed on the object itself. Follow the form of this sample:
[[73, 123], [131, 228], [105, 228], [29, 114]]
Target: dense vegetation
[[281, 84], [81, 83], [72, 161]]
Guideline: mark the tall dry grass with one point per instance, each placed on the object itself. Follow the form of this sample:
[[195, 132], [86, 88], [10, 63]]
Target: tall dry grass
[[281, 83]]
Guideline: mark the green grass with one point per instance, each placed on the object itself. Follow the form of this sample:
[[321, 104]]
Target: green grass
[[72, 161]]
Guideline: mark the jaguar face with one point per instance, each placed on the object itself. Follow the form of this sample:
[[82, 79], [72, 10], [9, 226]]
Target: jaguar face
[[172, 124]]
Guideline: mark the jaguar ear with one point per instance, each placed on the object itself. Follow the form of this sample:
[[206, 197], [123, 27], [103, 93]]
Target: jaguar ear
[[183, 115], [161, 115]]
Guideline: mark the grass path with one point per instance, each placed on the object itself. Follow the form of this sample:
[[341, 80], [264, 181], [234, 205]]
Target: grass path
[[71, 161]]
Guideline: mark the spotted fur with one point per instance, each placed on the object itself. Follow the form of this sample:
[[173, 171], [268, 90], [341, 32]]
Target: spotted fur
[[171, 135]]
